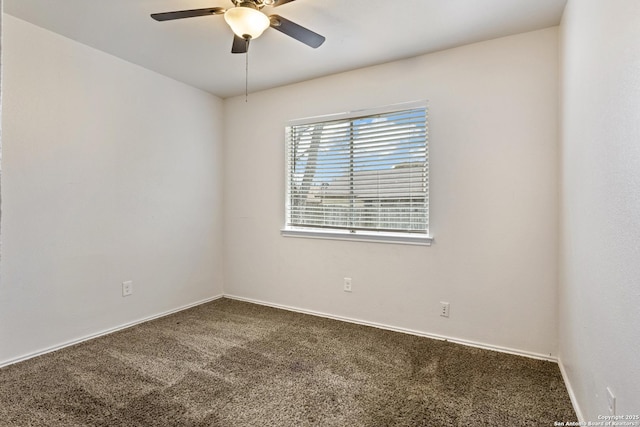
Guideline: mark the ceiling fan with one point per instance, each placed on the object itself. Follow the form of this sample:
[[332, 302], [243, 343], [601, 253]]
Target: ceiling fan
[[247, 21]]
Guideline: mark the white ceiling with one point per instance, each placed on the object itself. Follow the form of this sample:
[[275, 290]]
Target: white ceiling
[[359, 33]]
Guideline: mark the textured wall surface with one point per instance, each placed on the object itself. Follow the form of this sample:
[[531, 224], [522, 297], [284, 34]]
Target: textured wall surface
[[110, 173], [600, 279]]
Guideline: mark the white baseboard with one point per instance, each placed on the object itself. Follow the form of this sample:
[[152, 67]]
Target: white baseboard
[[572, 395], [304, 311], [106, 332], [403, 330]]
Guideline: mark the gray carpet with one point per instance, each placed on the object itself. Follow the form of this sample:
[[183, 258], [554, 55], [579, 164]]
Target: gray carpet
[[229, 363]]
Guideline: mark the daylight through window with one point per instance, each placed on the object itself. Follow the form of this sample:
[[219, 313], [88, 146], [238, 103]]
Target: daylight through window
[[360, 175]]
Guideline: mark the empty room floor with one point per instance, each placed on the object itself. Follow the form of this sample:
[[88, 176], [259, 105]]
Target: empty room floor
[[231, 363]]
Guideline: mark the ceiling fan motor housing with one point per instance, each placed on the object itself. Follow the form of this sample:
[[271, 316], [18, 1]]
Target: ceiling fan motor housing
[[254, 4], [250, 4]]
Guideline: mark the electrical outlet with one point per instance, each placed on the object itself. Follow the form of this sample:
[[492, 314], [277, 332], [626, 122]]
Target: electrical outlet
[[611, 400], [127, 288], [444, 309], [347, 284]]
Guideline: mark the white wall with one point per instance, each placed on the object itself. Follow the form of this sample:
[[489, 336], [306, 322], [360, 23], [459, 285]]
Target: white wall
[[600, 210], [494, 198], [110, 173]]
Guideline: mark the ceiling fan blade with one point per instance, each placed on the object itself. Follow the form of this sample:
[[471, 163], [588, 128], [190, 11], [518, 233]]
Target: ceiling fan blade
[[179, 14], [239, 45], [296, 31], [281, 2]]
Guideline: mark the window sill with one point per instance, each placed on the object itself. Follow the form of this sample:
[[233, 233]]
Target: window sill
[[361, 236]]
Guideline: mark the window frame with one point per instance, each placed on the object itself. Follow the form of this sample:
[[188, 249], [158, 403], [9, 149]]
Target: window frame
[[424, 239]]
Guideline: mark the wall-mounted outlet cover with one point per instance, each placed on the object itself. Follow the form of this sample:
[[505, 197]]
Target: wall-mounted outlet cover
[[444, 309], [611, 401], [347, 284], [127, 288]]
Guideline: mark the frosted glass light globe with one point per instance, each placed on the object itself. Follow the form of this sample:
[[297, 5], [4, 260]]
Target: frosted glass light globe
[[246, 22]]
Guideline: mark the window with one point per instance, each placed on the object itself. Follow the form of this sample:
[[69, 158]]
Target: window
[[360, 175]]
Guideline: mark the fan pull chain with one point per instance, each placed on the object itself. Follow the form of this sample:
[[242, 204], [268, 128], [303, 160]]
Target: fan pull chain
[[246, 73]]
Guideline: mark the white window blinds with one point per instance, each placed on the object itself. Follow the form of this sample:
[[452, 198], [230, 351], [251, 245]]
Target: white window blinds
[[362, 174]]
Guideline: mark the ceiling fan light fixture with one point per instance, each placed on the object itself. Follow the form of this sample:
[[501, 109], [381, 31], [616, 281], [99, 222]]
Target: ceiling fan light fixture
[[246, 21]]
